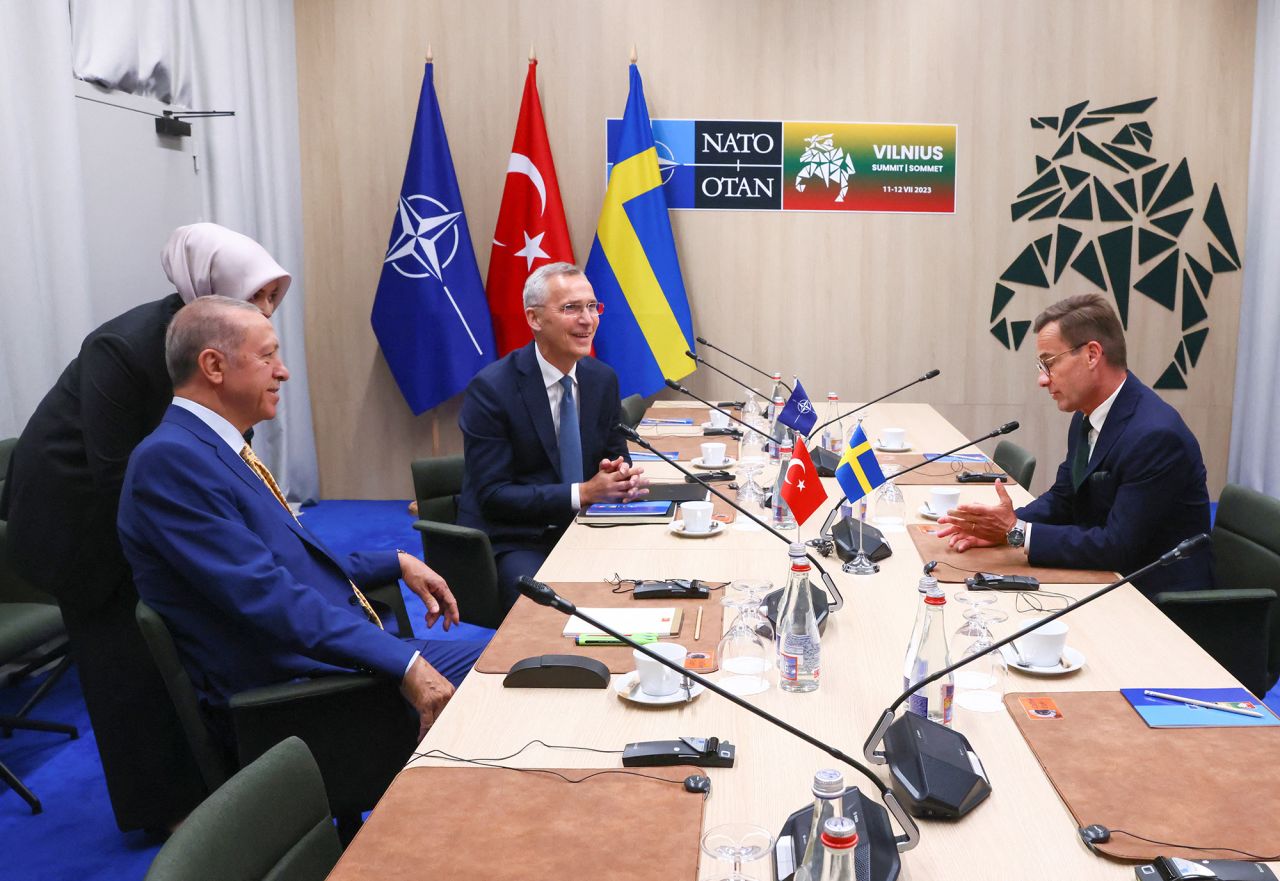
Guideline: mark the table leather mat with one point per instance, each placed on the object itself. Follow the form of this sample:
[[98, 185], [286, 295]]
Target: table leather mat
[[955, 567], [934, 473], [530, 629], [495, 824], [1202, 786]]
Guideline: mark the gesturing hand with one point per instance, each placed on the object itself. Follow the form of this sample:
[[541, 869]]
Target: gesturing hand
[[431, 589], [979, 526]]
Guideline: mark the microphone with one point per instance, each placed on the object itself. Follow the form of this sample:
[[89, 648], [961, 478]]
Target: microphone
[[739, 360], [930, 375], [688, 353], [544, 595], [672, 384], [933, 768], [820, 605]]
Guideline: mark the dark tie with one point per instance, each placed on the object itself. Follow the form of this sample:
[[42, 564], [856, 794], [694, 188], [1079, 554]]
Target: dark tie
[[570, 436], [1080, 462]]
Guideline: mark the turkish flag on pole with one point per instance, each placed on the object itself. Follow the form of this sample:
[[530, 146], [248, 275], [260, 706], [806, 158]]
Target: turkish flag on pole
[[801, 489], [531, 229]]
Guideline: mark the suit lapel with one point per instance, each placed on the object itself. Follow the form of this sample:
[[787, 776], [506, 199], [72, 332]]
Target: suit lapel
[[534, 394], [1121, 412]]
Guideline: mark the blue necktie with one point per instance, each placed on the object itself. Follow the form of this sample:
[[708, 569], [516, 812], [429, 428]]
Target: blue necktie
[[570, 435]]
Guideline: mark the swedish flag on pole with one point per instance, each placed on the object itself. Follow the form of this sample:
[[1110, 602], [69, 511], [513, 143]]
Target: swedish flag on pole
[[647, 328], [859, 471]]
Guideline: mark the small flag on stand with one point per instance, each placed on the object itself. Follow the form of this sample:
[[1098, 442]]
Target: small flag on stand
[[799, 412], [859, 471], [801, 489]]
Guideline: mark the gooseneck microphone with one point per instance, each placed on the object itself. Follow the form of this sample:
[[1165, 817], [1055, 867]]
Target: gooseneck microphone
[[632, 435], [933, 768], [930, 375], [704, 362], [672, 384], [710, 345], [544, 595]]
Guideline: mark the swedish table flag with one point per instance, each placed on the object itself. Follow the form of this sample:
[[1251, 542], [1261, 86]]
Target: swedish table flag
[[859, 471], [647, 328], [430, 314]]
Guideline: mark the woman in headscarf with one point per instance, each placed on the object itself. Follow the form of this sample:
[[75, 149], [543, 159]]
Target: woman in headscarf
[[61, 496]]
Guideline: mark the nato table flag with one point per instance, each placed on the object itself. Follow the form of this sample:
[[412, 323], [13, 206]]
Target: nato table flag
[[430, 314], [858, 472], [647, 328], [799, 413]]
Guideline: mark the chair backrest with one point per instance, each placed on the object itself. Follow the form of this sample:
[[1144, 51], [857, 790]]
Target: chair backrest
[[1017, 462], [1246, 550], [633, 407], [6, 453], [270, 821], [464, 559], [214, 762], [436, 484], [13, 587]]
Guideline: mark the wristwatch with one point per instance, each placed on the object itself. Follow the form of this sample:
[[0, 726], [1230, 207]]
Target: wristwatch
[[1016, 536]]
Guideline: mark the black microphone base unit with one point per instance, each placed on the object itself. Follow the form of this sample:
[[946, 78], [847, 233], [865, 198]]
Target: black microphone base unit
[[875, 848], [932, 768], [824, 461], [557, 671], [845, 533], [821, 607]]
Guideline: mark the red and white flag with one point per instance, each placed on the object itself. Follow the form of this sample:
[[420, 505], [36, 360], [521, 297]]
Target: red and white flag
[[531, 227], [801, 489]]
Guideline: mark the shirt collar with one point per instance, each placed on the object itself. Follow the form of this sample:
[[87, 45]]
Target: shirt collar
[[1099, 414], [550, 374], [216, 422]]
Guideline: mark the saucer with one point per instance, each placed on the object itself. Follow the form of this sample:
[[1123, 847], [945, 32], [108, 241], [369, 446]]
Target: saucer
[[1075, 660], [881, 448], [627, 687], [728, 462], [677, 526], [927, 513]]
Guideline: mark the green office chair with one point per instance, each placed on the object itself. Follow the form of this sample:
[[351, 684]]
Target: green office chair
[[1016, 462], [1238, 622], [633, 407], [462, 555], [269, 821], [357, 726]]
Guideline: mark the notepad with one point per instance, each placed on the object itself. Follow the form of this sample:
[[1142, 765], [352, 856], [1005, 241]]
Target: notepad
[[663, 621], [666, 422], [1159, 713], [628, 512]]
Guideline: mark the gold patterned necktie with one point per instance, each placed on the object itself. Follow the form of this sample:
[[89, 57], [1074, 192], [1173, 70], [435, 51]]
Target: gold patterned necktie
[[261, 470]]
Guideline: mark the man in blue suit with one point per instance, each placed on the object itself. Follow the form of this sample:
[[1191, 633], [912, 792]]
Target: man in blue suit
[[251, 597], [536, 423], [1133, 483]]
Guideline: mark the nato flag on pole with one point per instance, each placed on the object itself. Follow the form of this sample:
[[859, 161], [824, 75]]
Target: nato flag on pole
[[430, 314], [799, 413]]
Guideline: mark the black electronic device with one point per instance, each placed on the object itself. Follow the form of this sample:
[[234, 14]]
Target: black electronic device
[[934, 770], [731, 405], [992, 581], [557, 671], [1179, 869], [824, 461], [674, 491], [705, 752], [845, 535], [671, 589], [879, 837], [721, 432], [872, 822], [697, 783], [709, 476], [980, 477]]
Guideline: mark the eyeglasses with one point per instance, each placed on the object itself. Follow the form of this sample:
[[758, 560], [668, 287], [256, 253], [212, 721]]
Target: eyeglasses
[[1044, 365], [573, 310]]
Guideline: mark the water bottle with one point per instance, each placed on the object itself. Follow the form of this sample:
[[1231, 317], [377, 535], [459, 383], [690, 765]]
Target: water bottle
[[833, 435], [799, 644], [840, 838], [934, 700], [779, 431], [779, 390], [927, 584], [828, 802], [782, 517]]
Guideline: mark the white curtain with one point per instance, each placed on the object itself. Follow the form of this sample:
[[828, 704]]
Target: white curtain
[[143, 47], [44, 290], [1255, 422]]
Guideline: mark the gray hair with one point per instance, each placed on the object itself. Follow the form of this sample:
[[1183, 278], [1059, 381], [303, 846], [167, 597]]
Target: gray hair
[[535, 286], [204, 323]]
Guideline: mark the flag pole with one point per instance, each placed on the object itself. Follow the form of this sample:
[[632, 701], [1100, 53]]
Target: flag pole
[[429, 53], [532, 55], [633, 53], [861, 564]]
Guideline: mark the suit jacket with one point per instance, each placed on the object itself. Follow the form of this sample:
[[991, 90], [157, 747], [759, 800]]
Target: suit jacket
[[1143, 492], [512, 487], [251, 597], [67, 469]]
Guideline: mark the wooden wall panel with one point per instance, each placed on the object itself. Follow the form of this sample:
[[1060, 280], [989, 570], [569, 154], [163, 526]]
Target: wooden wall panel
[[856, 303]]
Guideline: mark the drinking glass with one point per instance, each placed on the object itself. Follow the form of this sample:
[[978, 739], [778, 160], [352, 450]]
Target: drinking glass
[[890, 507], [746, 656], [737, 843], [752, 459], [980, 685]]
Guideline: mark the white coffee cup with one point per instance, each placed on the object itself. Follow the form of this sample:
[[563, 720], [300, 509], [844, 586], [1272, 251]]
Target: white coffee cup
[[713, 454], [943, 499], [655, 679], [697, 517], [893, 438], [1043, 646], [719, 420]]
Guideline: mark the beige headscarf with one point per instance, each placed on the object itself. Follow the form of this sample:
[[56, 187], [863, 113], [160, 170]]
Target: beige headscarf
[[205, 258]]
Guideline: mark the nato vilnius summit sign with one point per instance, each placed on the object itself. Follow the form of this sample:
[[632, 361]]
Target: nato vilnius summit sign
[[774, 165]]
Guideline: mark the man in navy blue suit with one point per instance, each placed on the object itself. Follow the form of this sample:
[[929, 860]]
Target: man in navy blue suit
[[1133, 483], [539, 429], [251, 597]]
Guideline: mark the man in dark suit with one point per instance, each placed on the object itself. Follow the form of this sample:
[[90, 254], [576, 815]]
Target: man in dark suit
[[1133, 483], [251, 597], [536, 423]]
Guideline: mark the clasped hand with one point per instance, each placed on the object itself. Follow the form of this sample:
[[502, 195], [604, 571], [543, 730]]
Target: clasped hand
[[616, 481], [979, 526]]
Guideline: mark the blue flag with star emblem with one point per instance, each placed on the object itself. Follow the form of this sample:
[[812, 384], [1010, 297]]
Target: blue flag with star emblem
[[799, 413], [430, 314]]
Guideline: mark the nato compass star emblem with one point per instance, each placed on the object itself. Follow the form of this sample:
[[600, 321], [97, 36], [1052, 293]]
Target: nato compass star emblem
[[427, 228]]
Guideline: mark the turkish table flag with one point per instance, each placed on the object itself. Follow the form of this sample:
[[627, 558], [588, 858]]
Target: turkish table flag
[[801, 489], [531, 229]]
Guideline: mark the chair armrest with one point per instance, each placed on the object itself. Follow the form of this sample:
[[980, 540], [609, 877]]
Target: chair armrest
[[305, 689], [464, 558], [1197, 597], [1232, 625]]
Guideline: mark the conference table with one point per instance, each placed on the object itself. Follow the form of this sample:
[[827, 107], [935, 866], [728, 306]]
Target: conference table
[[1022, 831]]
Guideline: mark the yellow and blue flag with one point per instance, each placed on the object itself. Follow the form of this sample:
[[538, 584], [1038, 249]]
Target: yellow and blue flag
[[859, 471], [633, 268]]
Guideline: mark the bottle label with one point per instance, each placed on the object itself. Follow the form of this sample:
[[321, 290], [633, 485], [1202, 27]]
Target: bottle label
[[948, 694], [918, 704], [788, 666]]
